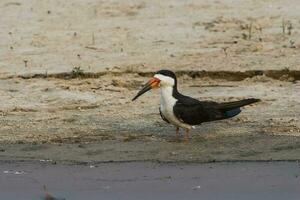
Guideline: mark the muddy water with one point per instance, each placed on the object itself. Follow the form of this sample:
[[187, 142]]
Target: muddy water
[[256, 180]]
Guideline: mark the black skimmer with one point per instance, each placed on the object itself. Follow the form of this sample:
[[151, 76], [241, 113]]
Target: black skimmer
[[184, 111]]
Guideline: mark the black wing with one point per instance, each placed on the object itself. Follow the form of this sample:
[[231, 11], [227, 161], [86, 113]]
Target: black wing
[[163, 116], [197, 112], [193, 112]]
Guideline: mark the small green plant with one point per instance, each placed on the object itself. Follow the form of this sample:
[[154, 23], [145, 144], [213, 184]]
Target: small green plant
[[248, 27], [287, 25], [77, 72], [292, 44], [290, 27]]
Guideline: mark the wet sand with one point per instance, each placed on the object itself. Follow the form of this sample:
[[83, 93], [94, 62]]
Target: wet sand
[[148, 180], [94, 119]]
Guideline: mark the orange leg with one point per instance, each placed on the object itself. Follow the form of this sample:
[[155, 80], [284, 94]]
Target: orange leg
[[187, 136]]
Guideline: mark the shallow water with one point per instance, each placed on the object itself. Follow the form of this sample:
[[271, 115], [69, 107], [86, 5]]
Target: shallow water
[[272, 180]]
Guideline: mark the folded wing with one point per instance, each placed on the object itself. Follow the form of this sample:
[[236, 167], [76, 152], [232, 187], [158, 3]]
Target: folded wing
[[196, 112]]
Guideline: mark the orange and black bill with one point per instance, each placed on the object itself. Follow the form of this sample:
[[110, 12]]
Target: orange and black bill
[[152, 83]]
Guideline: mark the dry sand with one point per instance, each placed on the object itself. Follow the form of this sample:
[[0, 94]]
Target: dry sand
[[69, 70], [55, 36]]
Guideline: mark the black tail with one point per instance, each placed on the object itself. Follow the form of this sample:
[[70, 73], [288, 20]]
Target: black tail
[[236, 104], [231, 109]]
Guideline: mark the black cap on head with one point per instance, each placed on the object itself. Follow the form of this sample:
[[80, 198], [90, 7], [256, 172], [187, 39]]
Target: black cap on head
[[166, 72], [169, 73]]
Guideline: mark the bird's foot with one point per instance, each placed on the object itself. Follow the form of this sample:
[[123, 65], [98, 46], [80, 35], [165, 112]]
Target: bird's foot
[[177, 132]]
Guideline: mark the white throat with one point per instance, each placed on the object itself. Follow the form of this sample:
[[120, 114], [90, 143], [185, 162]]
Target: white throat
[[166, 98]]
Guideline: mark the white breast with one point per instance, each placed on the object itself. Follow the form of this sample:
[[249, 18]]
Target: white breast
[[167, 102]]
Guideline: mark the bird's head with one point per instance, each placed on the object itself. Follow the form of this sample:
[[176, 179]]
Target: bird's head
[[162, 78]]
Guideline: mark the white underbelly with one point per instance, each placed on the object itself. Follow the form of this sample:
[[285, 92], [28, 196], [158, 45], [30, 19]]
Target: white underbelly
[[167, 102], [168, 113]]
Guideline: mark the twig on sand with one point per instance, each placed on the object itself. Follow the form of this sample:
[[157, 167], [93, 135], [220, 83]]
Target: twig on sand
[[93, 39], [89, 47], [25, 63], [250, 31], [49, 196], [225, 50], [283, 26]]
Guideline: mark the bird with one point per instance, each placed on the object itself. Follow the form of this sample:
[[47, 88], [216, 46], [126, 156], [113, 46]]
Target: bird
[[186, 112]]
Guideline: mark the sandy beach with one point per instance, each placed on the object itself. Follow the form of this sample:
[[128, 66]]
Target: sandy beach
[[68, 72]]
